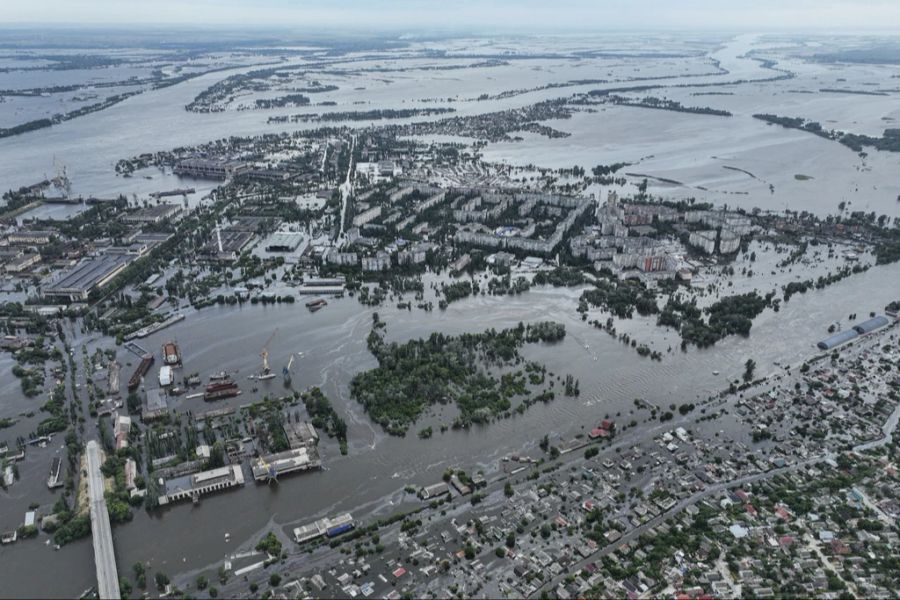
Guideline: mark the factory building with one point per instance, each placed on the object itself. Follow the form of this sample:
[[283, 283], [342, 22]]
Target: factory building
[[284, 241], [198, 484], [34, 238], [291, 461], [152, 214], [203, 168], [92, 273]]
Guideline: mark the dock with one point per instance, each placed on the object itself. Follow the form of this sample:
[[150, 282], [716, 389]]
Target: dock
[[135, 349], [151, 329], [176, 192]]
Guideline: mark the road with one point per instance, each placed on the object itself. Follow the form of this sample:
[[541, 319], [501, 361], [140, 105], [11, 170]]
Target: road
[[346, 189], [101, 530]]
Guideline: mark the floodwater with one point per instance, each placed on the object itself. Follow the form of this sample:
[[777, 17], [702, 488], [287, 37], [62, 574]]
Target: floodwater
[[370, 480], [685, 147]]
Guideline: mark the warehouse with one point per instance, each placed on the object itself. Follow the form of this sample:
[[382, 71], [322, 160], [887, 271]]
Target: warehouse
[[152, 214], [284, 241], [92, 273], [837, 339], [871, 325]]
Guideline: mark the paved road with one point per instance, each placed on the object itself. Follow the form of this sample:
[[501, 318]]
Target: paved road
[[346, 189], [101, 531]]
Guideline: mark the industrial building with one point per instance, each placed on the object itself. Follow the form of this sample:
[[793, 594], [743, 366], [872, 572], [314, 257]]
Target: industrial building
[[433, 491], [198, 484], [282, 463], [90, 274], [155, 405], [842, 337], [226, 245], [301, 434], [837, 339], [322, 527], [152, 214], [34, 238], [284, 241], [203, 168], [21, 263], [871, 325]]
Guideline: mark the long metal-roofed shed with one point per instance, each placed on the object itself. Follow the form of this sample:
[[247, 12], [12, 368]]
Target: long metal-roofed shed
[[871, 325], [837, 339], [93, 272]]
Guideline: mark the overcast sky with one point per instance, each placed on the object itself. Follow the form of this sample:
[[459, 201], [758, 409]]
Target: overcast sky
[[533, 15]]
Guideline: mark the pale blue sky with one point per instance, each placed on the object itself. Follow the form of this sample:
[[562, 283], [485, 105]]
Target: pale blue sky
[[469, 14]]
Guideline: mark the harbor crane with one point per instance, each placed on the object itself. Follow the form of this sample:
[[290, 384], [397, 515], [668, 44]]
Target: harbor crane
[[271, 471], [265, 354], [286, 371]]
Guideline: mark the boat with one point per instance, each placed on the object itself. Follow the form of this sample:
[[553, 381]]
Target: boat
[[219, 375], [261, 376], [715, 372], [314, 305], [54, 480], [135, 381], [221, 390], [171, 354]]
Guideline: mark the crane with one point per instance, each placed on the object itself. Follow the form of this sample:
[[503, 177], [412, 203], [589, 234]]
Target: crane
[[286, 371], [265, 354], [271, 472]]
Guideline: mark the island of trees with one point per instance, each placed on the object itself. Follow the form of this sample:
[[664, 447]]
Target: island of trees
[[473, 371]]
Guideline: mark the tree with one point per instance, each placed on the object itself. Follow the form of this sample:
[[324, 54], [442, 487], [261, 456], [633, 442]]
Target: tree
[[270, 544], [140, 574], [274, 579], [202, 582], [749, 368], [162, 580], [508, 490]]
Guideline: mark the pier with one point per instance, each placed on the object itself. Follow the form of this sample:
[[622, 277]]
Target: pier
[[135, 349], [101, 530]]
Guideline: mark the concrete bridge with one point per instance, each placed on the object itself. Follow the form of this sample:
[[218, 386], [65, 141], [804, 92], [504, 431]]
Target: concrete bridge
[[101, 530]]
